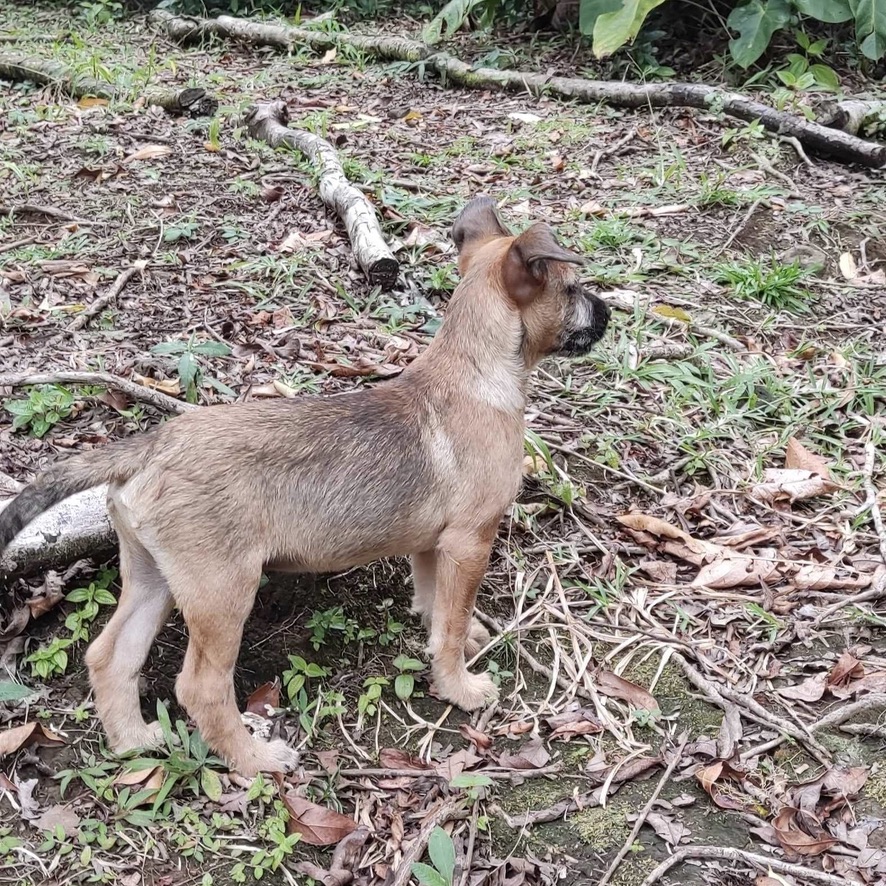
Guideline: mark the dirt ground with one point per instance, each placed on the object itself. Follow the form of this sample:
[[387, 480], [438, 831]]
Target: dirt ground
[[691, 580]]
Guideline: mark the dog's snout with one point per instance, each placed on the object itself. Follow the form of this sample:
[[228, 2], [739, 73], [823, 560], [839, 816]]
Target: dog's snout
[[587, 325]]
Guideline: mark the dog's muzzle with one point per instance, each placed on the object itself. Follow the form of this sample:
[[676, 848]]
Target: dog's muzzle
[[586, 327]]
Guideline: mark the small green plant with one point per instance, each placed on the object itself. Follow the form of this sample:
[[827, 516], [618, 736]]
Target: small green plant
[[44, 407], [367, 703], [442, 854], [772, 283], [190, 367], [50, 659], [474, 784], [296, 677], [185, 229], [89, 600], [99, 12], [185, 760], [404, 682], [324, 622]]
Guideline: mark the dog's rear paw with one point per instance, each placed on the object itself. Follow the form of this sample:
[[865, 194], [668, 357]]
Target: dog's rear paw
[[271, 756], [467, 691]]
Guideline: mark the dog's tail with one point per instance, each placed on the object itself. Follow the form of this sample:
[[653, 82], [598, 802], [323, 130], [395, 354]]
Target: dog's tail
[[116, 462]]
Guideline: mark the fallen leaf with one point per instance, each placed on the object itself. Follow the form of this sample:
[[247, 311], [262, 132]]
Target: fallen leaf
[[798, 457], [794, 840], [169, 386], [148, 152], [480, 739], [271, 193], [811, 689], [91, 101], [617, 687], [847, 668], [672, 313], [329, 56], [394, 758], [790, 485], [721, 781], [848, 267], [457, 763], [264, 700], [532, 755], [671, 831], [328, 760], [30, 735], [523, 117], [317, 825], [58, 816], [734, 570], [569, 724]]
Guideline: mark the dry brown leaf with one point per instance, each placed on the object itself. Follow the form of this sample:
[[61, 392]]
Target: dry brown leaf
[[798, 457], [721, 781], [847, 669], [28, 735], [582, 721], [848, 267], [328, 760], [169, 386], [533, 755], [264, 700], [783, 485], [91, 101], [456, 763], [394, 758], [617, 687], [671, 831], [148, 152], [317, 825], [329, 56], [148, 780], [811, 689], [482, 741], [813, 577], [794, 840], [58, 816], [736, 570], [674, 540]]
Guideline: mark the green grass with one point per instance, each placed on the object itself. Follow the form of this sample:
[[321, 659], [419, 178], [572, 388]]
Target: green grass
[[774, 285]]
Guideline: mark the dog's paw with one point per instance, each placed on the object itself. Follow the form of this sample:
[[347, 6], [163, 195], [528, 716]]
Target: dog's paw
[[139, 736], [270, 756], [467, 691], [477, 639]]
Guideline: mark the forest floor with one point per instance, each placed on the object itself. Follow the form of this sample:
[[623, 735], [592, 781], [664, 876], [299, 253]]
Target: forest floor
[[692, 569]]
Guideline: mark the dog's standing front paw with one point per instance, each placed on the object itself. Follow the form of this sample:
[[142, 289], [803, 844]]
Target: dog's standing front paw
[[271, 756], [145, 736], [466, 690]]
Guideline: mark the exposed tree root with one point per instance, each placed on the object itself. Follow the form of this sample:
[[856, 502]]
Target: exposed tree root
[[814, 137]]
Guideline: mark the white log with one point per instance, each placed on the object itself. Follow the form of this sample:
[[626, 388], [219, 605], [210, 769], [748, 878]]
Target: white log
[[268, 121]]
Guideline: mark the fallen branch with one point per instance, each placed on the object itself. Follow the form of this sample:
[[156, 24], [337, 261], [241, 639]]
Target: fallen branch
[[103, 301], [853, 115], [872, 501], [728, 853], [644, 813], [844, 712], [711, 99], [447, 810], [36, 209], [192, 101], [77, 527], [268, 121], [103, 379]]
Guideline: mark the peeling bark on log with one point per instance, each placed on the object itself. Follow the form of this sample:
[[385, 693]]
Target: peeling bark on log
[[852, 115], [192, 101], [815, 137], [75, 528], [267, 121]]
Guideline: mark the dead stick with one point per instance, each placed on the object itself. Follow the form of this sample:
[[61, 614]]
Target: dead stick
[[728, 853], [644, 812], [268, 121], [103, 301], [17, 244], [873, 593], [872, 503], [445, 811], [103, 379], [844, 712], [433, 773], [39, 209]]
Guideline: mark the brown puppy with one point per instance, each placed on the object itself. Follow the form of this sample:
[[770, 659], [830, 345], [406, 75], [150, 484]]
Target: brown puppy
[[424, 465]]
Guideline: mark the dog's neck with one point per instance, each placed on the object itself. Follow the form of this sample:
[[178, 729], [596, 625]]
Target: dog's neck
[[478, 349]]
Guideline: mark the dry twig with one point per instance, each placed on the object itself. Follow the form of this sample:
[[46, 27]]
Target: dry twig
[[103, 301]]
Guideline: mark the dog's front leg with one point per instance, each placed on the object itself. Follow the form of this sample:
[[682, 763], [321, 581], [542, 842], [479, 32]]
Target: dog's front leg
[[424, 585], [462, 557]]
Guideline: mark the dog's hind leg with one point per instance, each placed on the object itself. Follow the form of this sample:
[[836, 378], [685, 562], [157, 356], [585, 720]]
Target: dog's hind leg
[[462, 557], [116, 657], [215, 606]]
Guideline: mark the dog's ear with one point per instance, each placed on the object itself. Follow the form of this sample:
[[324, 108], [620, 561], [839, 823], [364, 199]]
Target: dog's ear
[[528, 262], [477, 223]]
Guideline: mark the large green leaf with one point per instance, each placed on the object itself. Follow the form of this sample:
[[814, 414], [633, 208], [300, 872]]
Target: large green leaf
[[442, 852], [870, 26], [830, 11], [591, 10], [756, 22], [449, 19], [612, 30]]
